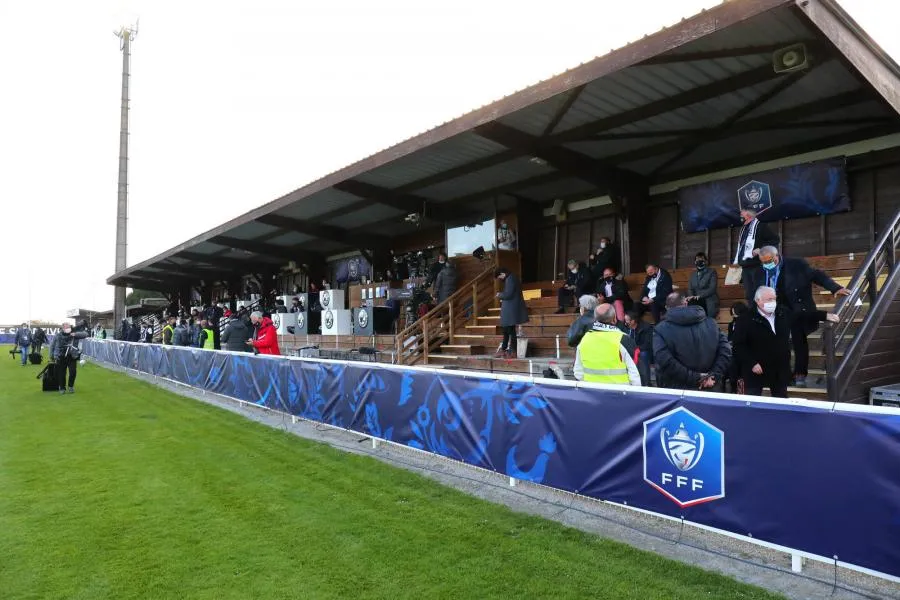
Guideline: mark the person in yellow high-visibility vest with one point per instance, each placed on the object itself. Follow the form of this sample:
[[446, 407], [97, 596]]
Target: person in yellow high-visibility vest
[[207, 339], [168, 331], [606, 354]]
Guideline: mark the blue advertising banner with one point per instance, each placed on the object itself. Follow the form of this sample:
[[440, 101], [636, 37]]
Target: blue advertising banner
[[817, 188], [809, 476]]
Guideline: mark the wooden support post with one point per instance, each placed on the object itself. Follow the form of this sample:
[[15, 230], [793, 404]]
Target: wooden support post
[[425, 339], [474, 301], [450, 321]]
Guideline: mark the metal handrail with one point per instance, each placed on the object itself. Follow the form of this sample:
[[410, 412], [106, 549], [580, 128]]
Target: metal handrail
[[443, 311], [881, 260]]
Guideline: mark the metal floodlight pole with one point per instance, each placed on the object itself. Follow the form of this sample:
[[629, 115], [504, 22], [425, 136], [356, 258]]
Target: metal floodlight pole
[[126, 35]]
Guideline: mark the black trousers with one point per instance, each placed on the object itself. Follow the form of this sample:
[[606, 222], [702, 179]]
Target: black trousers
[[216, 343], [63, 365], [36, 348], [565, 297], [801, 347], [510, 342], [777, 390], [657, 310]]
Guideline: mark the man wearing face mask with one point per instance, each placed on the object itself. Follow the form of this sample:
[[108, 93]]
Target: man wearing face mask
[[761, 344], [607, 256], [792, 280], [657, 286], [754, 235], [578, 283], [612, 290], [703, 286]]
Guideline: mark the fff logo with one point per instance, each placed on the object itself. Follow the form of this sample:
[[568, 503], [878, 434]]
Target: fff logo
[[755, 195], [684, 457]]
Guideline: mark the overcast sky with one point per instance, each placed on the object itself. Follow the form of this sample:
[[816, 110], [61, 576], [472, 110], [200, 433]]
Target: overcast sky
[[236, 103]]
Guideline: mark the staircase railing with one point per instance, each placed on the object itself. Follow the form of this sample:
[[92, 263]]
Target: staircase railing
[[448, 319], [873, 281]]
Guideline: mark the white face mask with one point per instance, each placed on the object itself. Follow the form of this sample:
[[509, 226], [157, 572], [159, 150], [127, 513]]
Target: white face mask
[[770, 306], [602, 245]]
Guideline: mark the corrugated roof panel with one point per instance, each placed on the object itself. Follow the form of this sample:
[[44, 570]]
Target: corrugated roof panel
[[757, 141], [290, 239], [442, 156], [205, 248], [371, 213], [557, 189], [646, 166], [317, 204], [251, 230], [508, 172], [534, 119], [831, 76], [604, 148]]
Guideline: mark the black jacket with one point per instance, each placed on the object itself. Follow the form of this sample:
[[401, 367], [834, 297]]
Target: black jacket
[[235, 336], [513, 310], [582, 280], [445, 283], [687, 344], [643, 337], [608, 257], [764, 237], [40, 337], [581, 326], [59, 348], [755, 343], [704, 284], [619, 292], [663, 287], [794, 288]]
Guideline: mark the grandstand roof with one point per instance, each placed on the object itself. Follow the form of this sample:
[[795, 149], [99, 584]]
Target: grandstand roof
[[694, 98]]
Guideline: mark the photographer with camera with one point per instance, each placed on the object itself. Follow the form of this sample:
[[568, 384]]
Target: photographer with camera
[[65, 352]]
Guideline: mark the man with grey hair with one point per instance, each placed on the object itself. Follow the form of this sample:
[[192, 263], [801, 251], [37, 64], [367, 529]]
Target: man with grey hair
[[605, 354], [792, 280], [754, 235], [585, 321], [761, 344]]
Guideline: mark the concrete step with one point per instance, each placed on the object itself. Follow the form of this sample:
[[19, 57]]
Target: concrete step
[[461, 349]]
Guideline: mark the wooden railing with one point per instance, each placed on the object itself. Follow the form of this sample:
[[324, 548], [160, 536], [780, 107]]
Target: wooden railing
[[442, 324], [875, 283]]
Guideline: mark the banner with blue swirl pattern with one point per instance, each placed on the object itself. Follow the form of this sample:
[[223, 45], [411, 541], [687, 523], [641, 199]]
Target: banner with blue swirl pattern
[[813, 477], [806, 190]]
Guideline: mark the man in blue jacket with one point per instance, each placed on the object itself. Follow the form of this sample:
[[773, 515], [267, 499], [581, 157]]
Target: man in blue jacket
[[23, 341]]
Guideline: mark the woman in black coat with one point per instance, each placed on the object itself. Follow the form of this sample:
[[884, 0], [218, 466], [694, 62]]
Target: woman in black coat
[[513, 310]]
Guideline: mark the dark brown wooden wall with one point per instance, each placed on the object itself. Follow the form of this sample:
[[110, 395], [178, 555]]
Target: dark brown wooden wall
[[874, 182], [880, 365]]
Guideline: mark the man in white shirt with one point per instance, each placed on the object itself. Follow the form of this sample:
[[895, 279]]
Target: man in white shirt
[[754, 235]]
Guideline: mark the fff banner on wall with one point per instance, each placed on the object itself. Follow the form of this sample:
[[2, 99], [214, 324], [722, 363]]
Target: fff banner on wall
[[811, 477], [806, 190]]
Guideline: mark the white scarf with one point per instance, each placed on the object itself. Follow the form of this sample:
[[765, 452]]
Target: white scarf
[[651, 286], [746, 251]]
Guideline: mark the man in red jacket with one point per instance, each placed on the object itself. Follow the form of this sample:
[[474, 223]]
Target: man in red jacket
[[266, 337]]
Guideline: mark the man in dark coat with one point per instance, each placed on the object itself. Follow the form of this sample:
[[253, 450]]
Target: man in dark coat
[[657, 287], [613, 290], [578, 283], [607, 256], [703, 286], [761, 344], [792, 280], [585, 321], [445, 282], [235, 336], [754, 235], [642, 334], [513, 310], [690, 351]]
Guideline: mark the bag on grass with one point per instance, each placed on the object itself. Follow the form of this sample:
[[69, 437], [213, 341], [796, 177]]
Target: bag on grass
[[49, 381], [35, 358]]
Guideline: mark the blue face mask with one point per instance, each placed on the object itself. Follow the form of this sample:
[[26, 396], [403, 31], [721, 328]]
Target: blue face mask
[[769, 266]]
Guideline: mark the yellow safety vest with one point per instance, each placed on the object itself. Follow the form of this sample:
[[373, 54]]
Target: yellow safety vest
[[601, 357], [209, 342], [171, 334]]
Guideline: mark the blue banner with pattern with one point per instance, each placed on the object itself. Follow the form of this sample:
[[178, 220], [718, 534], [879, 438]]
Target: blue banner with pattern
[[814, 477], [806, 190]]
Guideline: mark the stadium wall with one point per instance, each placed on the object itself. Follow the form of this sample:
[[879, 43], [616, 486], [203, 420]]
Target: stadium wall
[[811, 478]]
